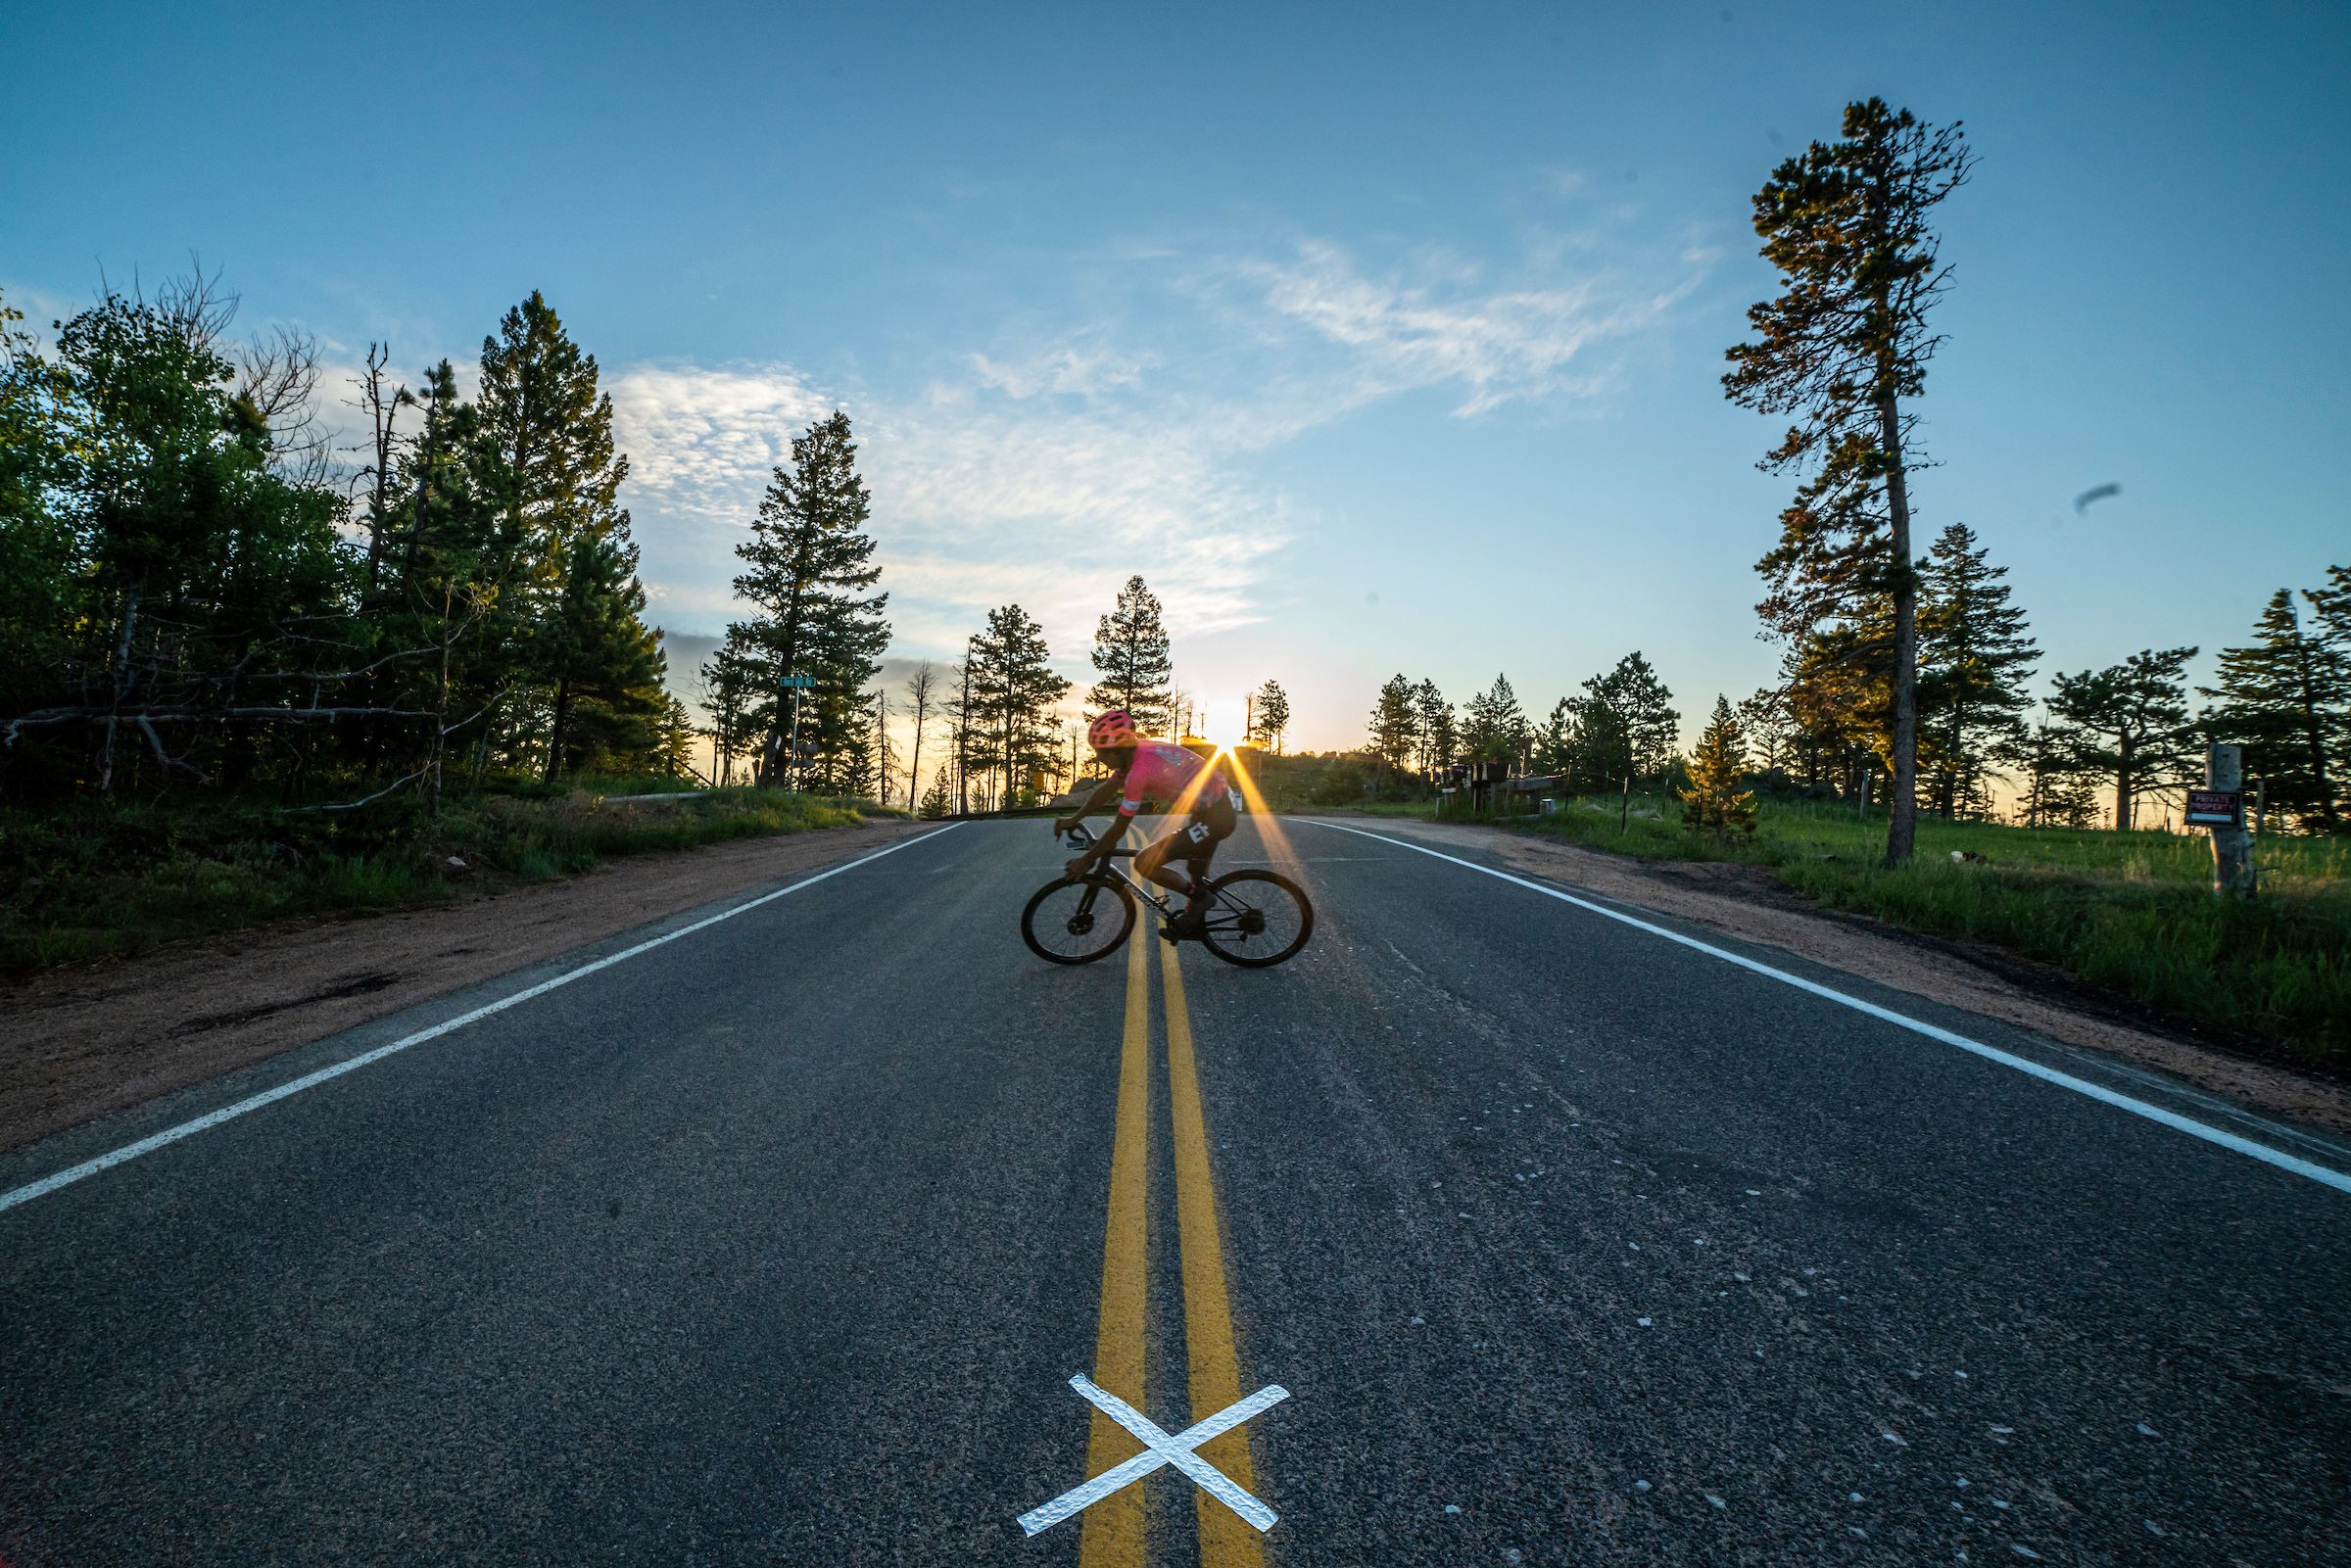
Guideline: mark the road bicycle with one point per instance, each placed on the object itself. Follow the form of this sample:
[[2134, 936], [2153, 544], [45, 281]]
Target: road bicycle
[[1253, 918]]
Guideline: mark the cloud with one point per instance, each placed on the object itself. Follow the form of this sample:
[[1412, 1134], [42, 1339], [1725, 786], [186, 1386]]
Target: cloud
[[1050, 466], [1083, 365], [701, 440], [1441, 330]]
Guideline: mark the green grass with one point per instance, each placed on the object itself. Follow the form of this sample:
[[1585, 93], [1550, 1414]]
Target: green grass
[[2133, 913], [96, 881]]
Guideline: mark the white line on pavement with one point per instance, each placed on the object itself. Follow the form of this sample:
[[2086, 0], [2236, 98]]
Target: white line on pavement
[[310, 1080], [2321, 1174], [1159, 1448]]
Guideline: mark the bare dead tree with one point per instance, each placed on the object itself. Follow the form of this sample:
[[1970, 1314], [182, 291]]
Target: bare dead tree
[[277, 378], [381, 403], [921, 698]]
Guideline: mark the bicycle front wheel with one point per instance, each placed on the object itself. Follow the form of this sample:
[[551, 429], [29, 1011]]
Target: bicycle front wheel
[[1257, 919], [1077, 922]]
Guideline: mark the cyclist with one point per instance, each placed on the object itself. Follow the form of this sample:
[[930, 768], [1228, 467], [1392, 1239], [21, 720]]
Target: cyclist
[[1178, 780]]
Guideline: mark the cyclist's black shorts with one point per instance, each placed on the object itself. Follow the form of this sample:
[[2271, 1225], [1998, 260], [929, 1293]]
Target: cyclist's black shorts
[[1210, 824]]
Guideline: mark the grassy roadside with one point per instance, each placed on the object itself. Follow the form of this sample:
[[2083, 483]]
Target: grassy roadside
[[2133, 913], [101, 881]]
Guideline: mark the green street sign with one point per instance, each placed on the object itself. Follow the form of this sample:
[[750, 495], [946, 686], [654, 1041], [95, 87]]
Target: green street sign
[[798, 682]]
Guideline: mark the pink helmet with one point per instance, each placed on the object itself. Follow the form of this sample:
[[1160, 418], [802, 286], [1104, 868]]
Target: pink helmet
[[1112, 731]]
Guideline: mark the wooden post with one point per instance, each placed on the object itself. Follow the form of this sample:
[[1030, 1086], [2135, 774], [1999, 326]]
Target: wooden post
[[2231, 846]]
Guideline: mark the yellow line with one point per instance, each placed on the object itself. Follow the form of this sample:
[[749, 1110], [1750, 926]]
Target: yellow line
[[1114, 1526], [1225, 1540]]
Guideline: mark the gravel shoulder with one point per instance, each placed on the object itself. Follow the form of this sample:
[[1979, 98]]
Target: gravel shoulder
[[1750, 903], [77, 1043]]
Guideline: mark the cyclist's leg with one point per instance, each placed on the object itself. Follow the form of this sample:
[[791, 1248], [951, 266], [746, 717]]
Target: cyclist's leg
[[1212, 822], [1152, 858]]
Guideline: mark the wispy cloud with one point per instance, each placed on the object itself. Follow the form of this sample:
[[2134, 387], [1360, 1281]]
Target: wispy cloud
[[1052, 465], [1441, 329], [696, 435]]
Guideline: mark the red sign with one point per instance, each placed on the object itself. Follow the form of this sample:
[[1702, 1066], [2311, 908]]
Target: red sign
[[2215, 808]]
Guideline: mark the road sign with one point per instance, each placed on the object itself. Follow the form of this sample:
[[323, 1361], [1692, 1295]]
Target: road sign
[[796, 683], [2215, 808]]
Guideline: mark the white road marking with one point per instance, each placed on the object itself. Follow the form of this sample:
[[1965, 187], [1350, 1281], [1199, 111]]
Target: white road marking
[[2322, 1174], [1159, 1448], [310, 1080]]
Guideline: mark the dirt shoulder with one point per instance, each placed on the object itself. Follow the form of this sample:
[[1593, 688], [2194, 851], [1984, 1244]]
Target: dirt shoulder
[[77, 1043], [1750, 903]]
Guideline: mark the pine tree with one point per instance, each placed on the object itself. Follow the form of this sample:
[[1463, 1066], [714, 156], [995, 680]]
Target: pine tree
[[2132, 721], [1437, 731], [1273, 714], [1494, 726], [809, 567], [1765, 721], [2283, 699], [1013, 692], [1130, 653], [1557, 740], [1974, 661], [2059, 787], [545, 463], [936, 802], [1394, 725], [1629, 723], [1714, 803], [2331, 626], [1842, 350]]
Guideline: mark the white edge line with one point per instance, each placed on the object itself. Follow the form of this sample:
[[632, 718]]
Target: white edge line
[[2319, 1173], [310, 1080]]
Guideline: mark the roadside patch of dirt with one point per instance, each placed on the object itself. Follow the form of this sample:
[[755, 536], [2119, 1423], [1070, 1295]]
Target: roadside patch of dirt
[[77, 1043], [1751, 903]]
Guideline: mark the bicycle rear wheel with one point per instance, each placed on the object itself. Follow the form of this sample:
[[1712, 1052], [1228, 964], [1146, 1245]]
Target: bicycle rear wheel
[[1077, 922], [1257, 919]]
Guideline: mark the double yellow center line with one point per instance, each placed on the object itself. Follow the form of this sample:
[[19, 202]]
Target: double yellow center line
[[1114, 1527]]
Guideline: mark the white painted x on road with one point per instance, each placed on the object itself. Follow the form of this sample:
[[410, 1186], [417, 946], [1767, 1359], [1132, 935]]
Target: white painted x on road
[[1159, 1448]]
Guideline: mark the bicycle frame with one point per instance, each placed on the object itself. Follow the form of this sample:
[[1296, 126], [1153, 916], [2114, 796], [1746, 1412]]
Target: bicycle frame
[[1157, 897]]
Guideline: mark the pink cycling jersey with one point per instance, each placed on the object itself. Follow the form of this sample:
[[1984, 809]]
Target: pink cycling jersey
[[1162, 771]]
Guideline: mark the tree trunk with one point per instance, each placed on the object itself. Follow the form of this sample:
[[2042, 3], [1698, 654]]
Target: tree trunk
[[914, 769], [1901, 830], [963, 743], [554, 740], [2315, 734], [123, 685], [2122, 783]]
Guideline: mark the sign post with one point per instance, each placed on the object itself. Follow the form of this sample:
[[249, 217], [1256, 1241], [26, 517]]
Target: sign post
[[797, 684], [2221, 806]]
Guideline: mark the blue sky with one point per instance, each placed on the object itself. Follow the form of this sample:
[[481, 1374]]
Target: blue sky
[[1376, 338]]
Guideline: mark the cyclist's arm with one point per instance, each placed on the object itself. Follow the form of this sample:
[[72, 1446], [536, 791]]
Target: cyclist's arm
[[1103, 794]]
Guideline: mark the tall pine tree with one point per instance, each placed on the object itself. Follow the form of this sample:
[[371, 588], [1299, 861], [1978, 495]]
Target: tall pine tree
[[1437, 729], [1974, 661], [1395, 725], [560, 552], [1013, 692], [2283, 698], [1131, 654], [1843, 350], [808, 569]]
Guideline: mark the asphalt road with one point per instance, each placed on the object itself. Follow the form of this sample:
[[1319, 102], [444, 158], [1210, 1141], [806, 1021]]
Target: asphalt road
[[780, 1242]]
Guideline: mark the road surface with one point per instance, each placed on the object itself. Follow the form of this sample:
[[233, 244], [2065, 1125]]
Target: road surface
[[780, 1242]]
